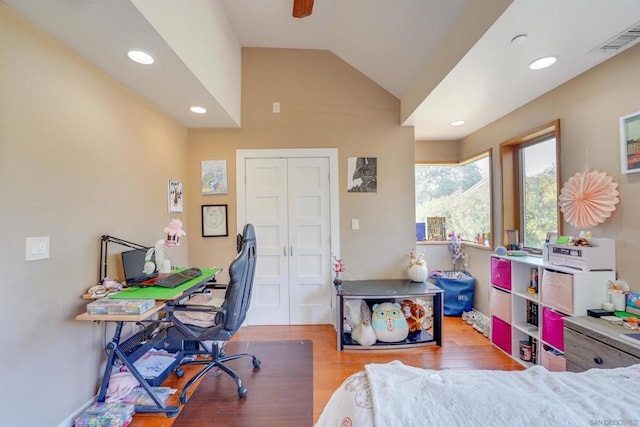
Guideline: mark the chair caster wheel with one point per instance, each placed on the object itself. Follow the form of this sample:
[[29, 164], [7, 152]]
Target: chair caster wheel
[[183, 400], [242, 392], [179, 373], [256, 363]]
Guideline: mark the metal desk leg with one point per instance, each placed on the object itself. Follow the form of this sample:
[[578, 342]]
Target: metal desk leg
[[115, 351], [110, 361]]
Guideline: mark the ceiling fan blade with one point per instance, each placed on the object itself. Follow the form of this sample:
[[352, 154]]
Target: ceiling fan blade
[[302, 8]]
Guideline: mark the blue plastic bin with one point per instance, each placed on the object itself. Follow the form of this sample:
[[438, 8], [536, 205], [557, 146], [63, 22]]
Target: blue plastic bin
[[458, 289]]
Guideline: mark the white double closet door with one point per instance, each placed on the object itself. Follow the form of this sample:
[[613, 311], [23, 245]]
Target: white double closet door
[[288, 200]]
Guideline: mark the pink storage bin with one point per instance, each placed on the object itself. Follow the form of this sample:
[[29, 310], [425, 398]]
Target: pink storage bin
[[557, 290], [501, 334], [501, 273], [553, 328], [553, 362], [501, 304]]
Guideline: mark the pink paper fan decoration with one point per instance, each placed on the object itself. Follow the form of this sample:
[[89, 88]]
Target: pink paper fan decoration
[[588, 198]]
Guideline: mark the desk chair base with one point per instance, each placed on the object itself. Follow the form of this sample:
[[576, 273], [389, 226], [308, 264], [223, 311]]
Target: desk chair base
[[218, 359]]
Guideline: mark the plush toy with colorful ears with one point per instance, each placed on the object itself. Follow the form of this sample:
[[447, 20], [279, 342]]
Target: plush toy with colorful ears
[[388, 322]]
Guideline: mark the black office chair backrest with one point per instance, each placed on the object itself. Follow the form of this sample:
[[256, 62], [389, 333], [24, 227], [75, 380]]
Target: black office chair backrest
[[241, 274]]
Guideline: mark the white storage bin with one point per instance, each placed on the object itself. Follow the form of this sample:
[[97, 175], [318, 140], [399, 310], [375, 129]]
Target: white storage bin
[[553, 362], [556, 290], [501, 304]]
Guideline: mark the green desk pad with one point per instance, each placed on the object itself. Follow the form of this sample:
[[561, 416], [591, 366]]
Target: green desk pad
[[160, 293]]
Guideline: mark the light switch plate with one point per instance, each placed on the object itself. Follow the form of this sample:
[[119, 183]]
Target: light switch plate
[[355, 224], [37, 248]]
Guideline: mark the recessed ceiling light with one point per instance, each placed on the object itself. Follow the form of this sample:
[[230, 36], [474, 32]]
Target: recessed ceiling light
[[458, 122], [140, 57], [519, 39], [541, 63], [198, 110]]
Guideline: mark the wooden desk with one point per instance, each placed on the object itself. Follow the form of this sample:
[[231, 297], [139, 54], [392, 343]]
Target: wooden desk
[[122, 317], [390, 290], [138, 344]]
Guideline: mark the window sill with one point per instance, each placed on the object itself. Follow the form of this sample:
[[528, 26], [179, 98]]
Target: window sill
[[447, 242]]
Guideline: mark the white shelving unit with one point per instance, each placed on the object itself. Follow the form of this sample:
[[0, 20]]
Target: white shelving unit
[[566, 292]]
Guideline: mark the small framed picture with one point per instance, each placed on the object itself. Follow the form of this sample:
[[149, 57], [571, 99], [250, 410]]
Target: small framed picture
[[214, 221], [630, 142], [175, 196]]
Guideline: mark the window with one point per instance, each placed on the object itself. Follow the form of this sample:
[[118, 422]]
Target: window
[[538, 180], [530, 181], [454, 199]]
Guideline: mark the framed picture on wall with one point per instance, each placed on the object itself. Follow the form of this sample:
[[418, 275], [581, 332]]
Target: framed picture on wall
[[630, 142], [214, 177], [214, 221], [175, 196], [362, 175]]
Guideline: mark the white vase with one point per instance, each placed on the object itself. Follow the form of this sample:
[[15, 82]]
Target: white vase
[[619, 302], [418, 273]]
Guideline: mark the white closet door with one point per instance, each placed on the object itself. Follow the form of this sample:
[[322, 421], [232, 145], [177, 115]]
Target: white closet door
[[309, 241], [266, 204], [288, 202]]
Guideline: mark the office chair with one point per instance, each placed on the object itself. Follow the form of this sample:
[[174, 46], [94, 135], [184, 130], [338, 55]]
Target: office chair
[[224, 321]]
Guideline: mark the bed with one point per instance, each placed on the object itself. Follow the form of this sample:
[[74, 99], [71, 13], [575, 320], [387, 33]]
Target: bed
[[394, 394]]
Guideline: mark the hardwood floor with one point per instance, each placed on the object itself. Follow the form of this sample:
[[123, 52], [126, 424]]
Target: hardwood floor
[[463, 348]]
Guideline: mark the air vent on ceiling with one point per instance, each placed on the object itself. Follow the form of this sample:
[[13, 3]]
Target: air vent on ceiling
[[624, 39]]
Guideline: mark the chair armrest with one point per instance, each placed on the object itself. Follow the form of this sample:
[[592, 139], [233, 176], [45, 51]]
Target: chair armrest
[[170, 308], [194, 331], [210, 285]]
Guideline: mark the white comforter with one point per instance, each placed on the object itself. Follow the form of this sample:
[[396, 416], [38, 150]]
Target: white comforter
[[393, 394]]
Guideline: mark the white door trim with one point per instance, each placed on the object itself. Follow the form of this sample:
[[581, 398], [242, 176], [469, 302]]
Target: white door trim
[[331, 153]]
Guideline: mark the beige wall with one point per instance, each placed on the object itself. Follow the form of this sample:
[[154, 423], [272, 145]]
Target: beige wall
[[324, 102], [433, 152], [589, 108], [80, 156]]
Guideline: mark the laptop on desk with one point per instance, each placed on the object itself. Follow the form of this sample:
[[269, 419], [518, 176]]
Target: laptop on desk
[[133, 266]]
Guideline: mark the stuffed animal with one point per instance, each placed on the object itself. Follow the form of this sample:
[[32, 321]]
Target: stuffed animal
[[415, 314], [358, 317], [389, 323]]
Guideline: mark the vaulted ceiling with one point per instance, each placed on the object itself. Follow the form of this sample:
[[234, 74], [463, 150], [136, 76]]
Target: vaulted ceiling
[[444, 60]]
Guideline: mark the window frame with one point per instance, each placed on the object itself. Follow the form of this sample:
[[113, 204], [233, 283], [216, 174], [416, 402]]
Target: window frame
[[511, 177], [488, 153]]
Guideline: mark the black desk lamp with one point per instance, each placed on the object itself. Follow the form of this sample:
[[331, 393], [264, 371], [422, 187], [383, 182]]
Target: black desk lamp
[[174, 231], [104, 246]]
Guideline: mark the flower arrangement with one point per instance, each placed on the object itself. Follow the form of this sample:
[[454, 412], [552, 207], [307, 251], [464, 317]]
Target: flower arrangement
[[457, 250], [174, 232], [415, 259], [338, 269], [618, 287], [417, 268]]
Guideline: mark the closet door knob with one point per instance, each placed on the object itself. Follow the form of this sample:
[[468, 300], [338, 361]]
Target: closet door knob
[[284, 250]]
